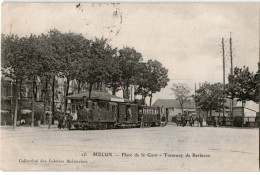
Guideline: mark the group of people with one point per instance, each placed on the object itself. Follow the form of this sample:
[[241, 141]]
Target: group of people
[[185, 119], [64, 121]]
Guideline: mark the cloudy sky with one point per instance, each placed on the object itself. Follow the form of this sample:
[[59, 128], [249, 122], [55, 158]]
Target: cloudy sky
[[184, 37]]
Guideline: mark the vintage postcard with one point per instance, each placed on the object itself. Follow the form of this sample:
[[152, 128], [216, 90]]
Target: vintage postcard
[[130, 87]]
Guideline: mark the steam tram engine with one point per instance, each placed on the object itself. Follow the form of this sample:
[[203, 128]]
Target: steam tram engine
[[104, 111]]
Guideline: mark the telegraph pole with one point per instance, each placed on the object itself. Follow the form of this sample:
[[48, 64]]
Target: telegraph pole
[[223, 51], [195, 97], [231, 71]]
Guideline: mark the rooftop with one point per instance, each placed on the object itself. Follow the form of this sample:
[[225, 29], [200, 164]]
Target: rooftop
[[173, 103], [95, 95]]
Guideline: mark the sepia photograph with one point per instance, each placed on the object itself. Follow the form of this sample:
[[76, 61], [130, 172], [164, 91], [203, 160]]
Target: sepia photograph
[[133, 87]]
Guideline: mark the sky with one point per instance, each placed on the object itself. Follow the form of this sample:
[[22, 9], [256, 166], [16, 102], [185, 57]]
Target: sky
[[184, 37]]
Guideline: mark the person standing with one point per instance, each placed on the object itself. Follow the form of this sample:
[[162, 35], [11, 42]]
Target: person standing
[[191, 121], [183, 121], [200, 120], [142, 121], [49, 116]]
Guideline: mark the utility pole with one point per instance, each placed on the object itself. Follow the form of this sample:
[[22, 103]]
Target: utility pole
[[195, 97], [231, 71], [223, 51], [11, 26]]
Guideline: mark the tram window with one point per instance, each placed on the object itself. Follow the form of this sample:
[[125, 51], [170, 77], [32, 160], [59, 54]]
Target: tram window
[[113, 108], [99, 105], [73, 109]]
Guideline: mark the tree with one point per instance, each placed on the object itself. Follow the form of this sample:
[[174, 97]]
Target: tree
[[82, 63], [241, 85], [13, 62], [257, 85], [97, 67], [182, 94], [71, 50], [54, 40], [158, 78], [33, 68], [49, 66], [210, 97], [129, 60], [141, 81], [113, 80], [150, 78]]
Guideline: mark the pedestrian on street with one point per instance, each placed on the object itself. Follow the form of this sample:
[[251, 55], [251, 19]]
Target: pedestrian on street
[[200, 121], [61, 122], [183, 121], [191, 121], [142, 122]]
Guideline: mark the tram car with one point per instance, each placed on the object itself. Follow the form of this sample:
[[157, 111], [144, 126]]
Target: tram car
[[150, 115], [109, 113]]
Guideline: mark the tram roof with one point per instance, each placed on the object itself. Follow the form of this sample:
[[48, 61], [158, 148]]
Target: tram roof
[[98, 96]]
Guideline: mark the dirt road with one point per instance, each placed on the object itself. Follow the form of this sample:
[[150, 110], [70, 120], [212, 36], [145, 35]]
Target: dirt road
[[169, 148]]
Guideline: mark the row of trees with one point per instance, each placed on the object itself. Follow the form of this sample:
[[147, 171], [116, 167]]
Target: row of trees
[[243, 86], [73, 57]]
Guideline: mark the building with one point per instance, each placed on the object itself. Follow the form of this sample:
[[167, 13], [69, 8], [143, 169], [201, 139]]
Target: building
[[174, 108]]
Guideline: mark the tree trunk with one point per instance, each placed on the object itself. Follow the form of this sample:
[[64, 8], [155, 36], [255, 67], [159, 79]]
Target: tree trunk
[[78, 86], [45, 100], [123, 92], [36, 91], [97, 87], [53, 96], [134, 93], [33, 100], [151, 96], [114, 90], [12, 101], [243, 114], [16, 104], [66, 95], [90, 90], [101, 86], [181, 110], [127, 91], [20, 101], [131, 92], [144, 100]]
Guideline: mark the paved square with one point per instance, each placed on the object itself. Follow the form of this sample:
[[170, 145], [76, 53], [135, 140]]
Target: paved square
[[148, 149]]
